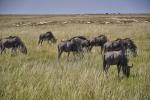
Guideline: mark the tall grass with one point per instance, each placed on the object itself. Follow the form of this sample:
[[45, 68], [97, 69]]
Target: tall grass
[[40, 76]]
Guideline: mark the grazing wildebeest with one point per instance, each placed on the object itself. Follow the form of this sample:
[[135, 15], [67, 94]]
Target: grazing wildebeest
[[69, 46], [98, 41], [85, 43], [118, 44], [48, 36], [116, 58], [13, 42]]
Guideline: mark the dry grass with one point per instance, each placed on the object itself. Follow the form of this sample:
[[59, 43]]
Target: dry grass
[[40, 76]]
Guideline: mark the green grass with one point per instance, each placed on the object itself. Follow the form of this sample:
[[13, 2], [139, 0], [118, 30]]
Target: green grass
[[40, 76]]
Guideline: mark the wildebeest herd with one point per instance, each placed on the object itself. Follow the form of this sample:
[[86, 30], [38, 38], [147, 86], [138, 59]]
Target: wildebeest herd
[[112, 52]]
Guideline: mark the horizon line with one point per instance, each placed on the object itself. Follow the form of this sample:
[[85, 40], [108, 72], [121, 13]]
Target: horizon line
[[72, 13]]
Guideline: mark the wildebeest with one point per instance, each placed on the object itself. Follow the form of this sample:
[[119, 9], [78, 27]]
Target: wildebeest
[[85, 43], [98, 41], [118, 44], [12, 42], [116, 58], [48, 36], [69, 46]]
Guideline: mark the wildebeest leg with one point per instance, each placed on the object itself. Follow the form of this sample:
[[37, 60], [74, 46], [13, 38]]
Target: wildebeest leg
[[81, 51], [104, 68], [82, 54], [118, 68], [126, 70], [13, 51], [48, 41], [59, 53], [104, 65], [39, 41], [68, 56], [74, 55], [3, 50], [90, 48], [126, 53], [101, 50]]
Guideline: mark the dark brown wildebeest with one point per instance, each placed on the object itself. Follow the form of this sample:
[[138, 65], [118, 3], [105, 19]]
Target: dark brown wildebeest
[[48, 36], [98, 41], [69, 46], [118, 44], [116, 58], [12, 42], [85, 43]]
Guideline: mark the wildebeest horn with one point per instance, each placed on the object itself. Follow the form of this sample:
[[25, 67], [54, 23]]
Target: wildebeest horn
[[131, 66]]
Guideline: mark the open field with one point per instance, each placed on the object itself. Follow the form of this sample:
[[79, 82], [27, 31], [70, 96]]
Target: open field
[[40, 76]]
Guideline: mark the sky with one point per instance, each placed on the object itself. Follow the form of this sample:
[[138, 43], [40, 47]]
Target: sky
[[73, 6]]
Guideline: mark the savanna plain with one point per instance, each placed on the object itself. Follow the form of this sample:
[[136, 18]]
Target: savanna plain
[[39, 75]]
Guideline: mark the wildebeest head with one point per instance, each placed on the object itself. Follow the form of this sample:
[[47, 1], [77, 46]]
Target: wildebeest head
[[21, 46], [23, 49], [51, 36], [54, 40], [48, 36], [131, 46]]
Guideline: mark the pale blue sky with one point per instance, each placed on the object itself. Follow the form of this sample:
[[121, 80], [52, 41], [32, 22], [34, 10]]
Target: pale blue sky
[[73, 6]]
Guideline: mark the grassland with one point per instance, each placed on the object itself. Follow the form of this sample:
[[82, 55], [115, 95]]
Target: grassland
[[40, 76]]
